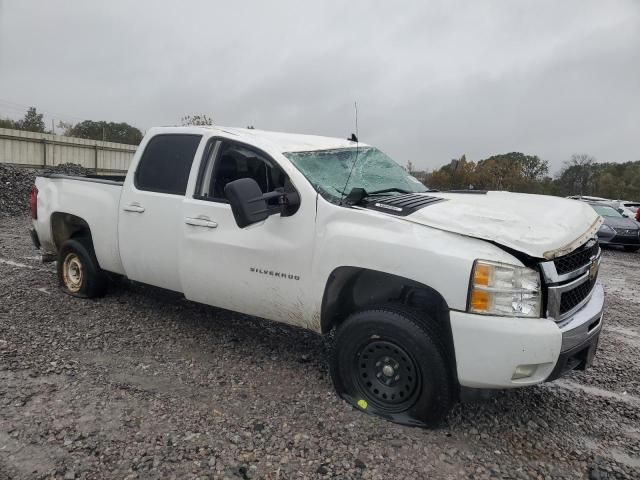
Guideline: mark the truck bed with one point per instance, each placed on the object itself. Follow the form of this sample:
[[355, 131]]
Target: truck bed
[[93, 198]]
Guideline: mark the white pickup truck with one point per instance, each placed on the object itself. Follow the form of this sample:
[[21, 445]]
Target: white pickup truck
[[427, 291]]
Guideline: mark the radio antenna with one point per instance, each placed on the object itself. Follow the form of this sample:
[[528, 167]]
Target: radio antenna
[[354, 137]]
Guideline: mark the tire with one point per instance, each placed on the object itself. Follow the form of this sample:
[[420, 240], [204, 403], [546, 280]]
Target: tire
[[392, 362], [79, 274], [629, 248]]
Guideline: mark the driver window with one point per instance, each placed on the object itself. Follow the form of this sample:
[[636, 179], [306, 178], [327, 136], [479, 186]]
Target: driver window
[[228, 161]]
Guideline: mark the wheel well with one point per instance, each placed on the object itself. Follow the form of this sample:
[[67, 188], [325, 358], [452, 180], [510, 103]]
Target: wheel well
[[350, 289], [65, 226]]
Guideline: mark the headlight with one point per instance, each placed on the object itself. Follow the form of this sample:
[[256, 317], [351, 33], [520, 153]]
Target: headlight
[[606, 228], [505, 290]]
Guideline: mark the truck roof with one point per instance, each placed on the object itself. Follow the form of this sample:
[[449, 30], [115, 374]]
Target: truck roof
[[284, 142]]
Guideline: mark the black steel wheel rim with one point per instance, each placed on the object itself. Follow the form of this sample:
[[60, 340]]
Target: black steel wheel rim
[[387, 375]]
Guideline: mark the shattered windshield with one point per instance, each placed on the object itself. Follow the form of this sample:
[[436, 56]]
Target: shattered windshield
[[328, 170]]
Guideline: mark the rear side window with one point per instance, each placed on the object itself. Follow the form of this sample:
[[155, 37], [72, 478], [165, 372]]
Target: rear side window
[[166, 163]]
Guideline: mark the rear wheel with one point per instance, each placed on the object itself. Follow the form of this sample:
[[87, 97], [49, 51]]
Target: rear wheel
[[79, 274], [392, 362], [629, 248]]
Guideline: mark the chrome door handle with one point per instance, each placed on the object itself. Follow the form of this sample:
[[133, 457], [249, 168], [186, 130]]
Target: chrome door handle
[[133, 207], [200, 222]]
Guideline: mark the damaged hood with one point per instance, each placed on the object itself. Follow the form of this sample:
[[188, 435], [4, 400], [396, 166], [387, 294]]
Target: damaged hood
[[540, 226]]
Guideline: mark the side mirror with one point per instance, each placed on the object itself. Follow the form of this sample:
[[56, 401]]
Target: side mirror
[[247, 201]]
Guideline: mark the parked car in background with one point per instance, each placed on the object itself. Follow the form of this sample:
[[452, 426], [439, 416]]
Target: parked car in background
[[628, 204], [627, 208], [617, 229]]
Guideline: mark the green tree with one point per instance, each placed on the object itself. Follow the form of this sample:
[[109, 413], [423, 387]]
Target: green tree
[[578, 175], [512, 171], [107, 131], [8, 123], [616, 180], [517, 172], [533, 169], [32, 122], [457, 174]]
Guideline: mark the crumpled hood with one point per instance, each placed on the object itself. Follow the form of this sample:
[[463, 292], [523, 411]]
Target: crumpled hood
[[541, 226]]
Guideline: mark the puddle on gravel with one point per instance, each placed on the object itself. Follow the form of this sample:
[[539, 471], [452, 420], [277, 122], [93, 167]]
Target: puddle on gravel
[[623, 331], [598, 392], [620, 457], [14, 264], [625, 335], [624, 459]]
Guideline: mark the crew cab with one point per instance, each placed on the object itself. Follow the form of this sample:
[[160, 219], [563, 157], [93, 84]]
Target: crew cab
[[426, 291]]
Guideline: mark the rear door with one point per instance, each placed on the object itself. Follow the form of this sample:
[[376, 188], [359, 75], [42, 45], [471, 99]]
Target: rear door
[[263, 269], [150, 218]]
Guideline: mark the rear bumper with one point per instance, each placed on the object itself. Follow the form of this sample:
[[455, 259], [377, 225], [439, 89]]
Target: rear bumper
[[490, 349], [46, 256]]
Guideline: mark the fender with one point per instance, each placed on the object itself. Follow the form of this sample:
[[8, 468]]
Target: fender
[[350, 288]]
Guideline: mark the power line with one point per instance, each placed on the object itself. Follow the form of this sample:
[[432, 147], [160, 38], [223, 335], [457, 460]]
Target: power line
[[14, 106]]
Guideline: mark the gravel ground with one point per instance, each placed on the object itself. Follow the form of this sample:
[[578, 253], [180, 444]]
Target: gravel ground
[[143, 384]]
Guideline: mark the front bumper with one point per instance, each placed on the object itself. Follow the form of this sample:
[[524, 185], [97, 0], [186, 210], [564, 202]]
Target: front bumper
[[489, 349], [580, 335]]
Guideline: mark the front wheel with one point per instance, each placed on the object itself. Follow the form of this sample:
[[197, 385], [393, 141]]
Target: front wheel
[[392, 362], [79, 274]]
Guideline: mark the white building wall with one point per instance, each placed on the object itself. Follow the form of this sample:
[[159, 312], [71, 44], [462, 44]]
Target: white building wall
[[44, 150]]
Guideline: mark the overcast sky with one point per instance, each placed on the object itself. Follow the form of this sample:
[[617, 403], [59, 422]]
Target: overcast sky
[[432, 80]]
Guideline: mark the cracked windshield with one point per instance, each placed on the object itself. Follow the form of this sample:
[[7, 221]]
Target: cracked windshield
[[328, 171]]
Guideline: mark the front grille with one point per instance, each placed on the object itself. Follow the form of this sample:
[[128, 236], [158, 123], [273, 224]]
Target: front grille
[[576, 259], [569, 280], [570, 299], [626, 231]]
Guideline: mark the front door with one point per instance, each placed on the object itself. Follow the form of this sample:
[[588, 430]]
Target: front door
[[263, 269], [149, 224]]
